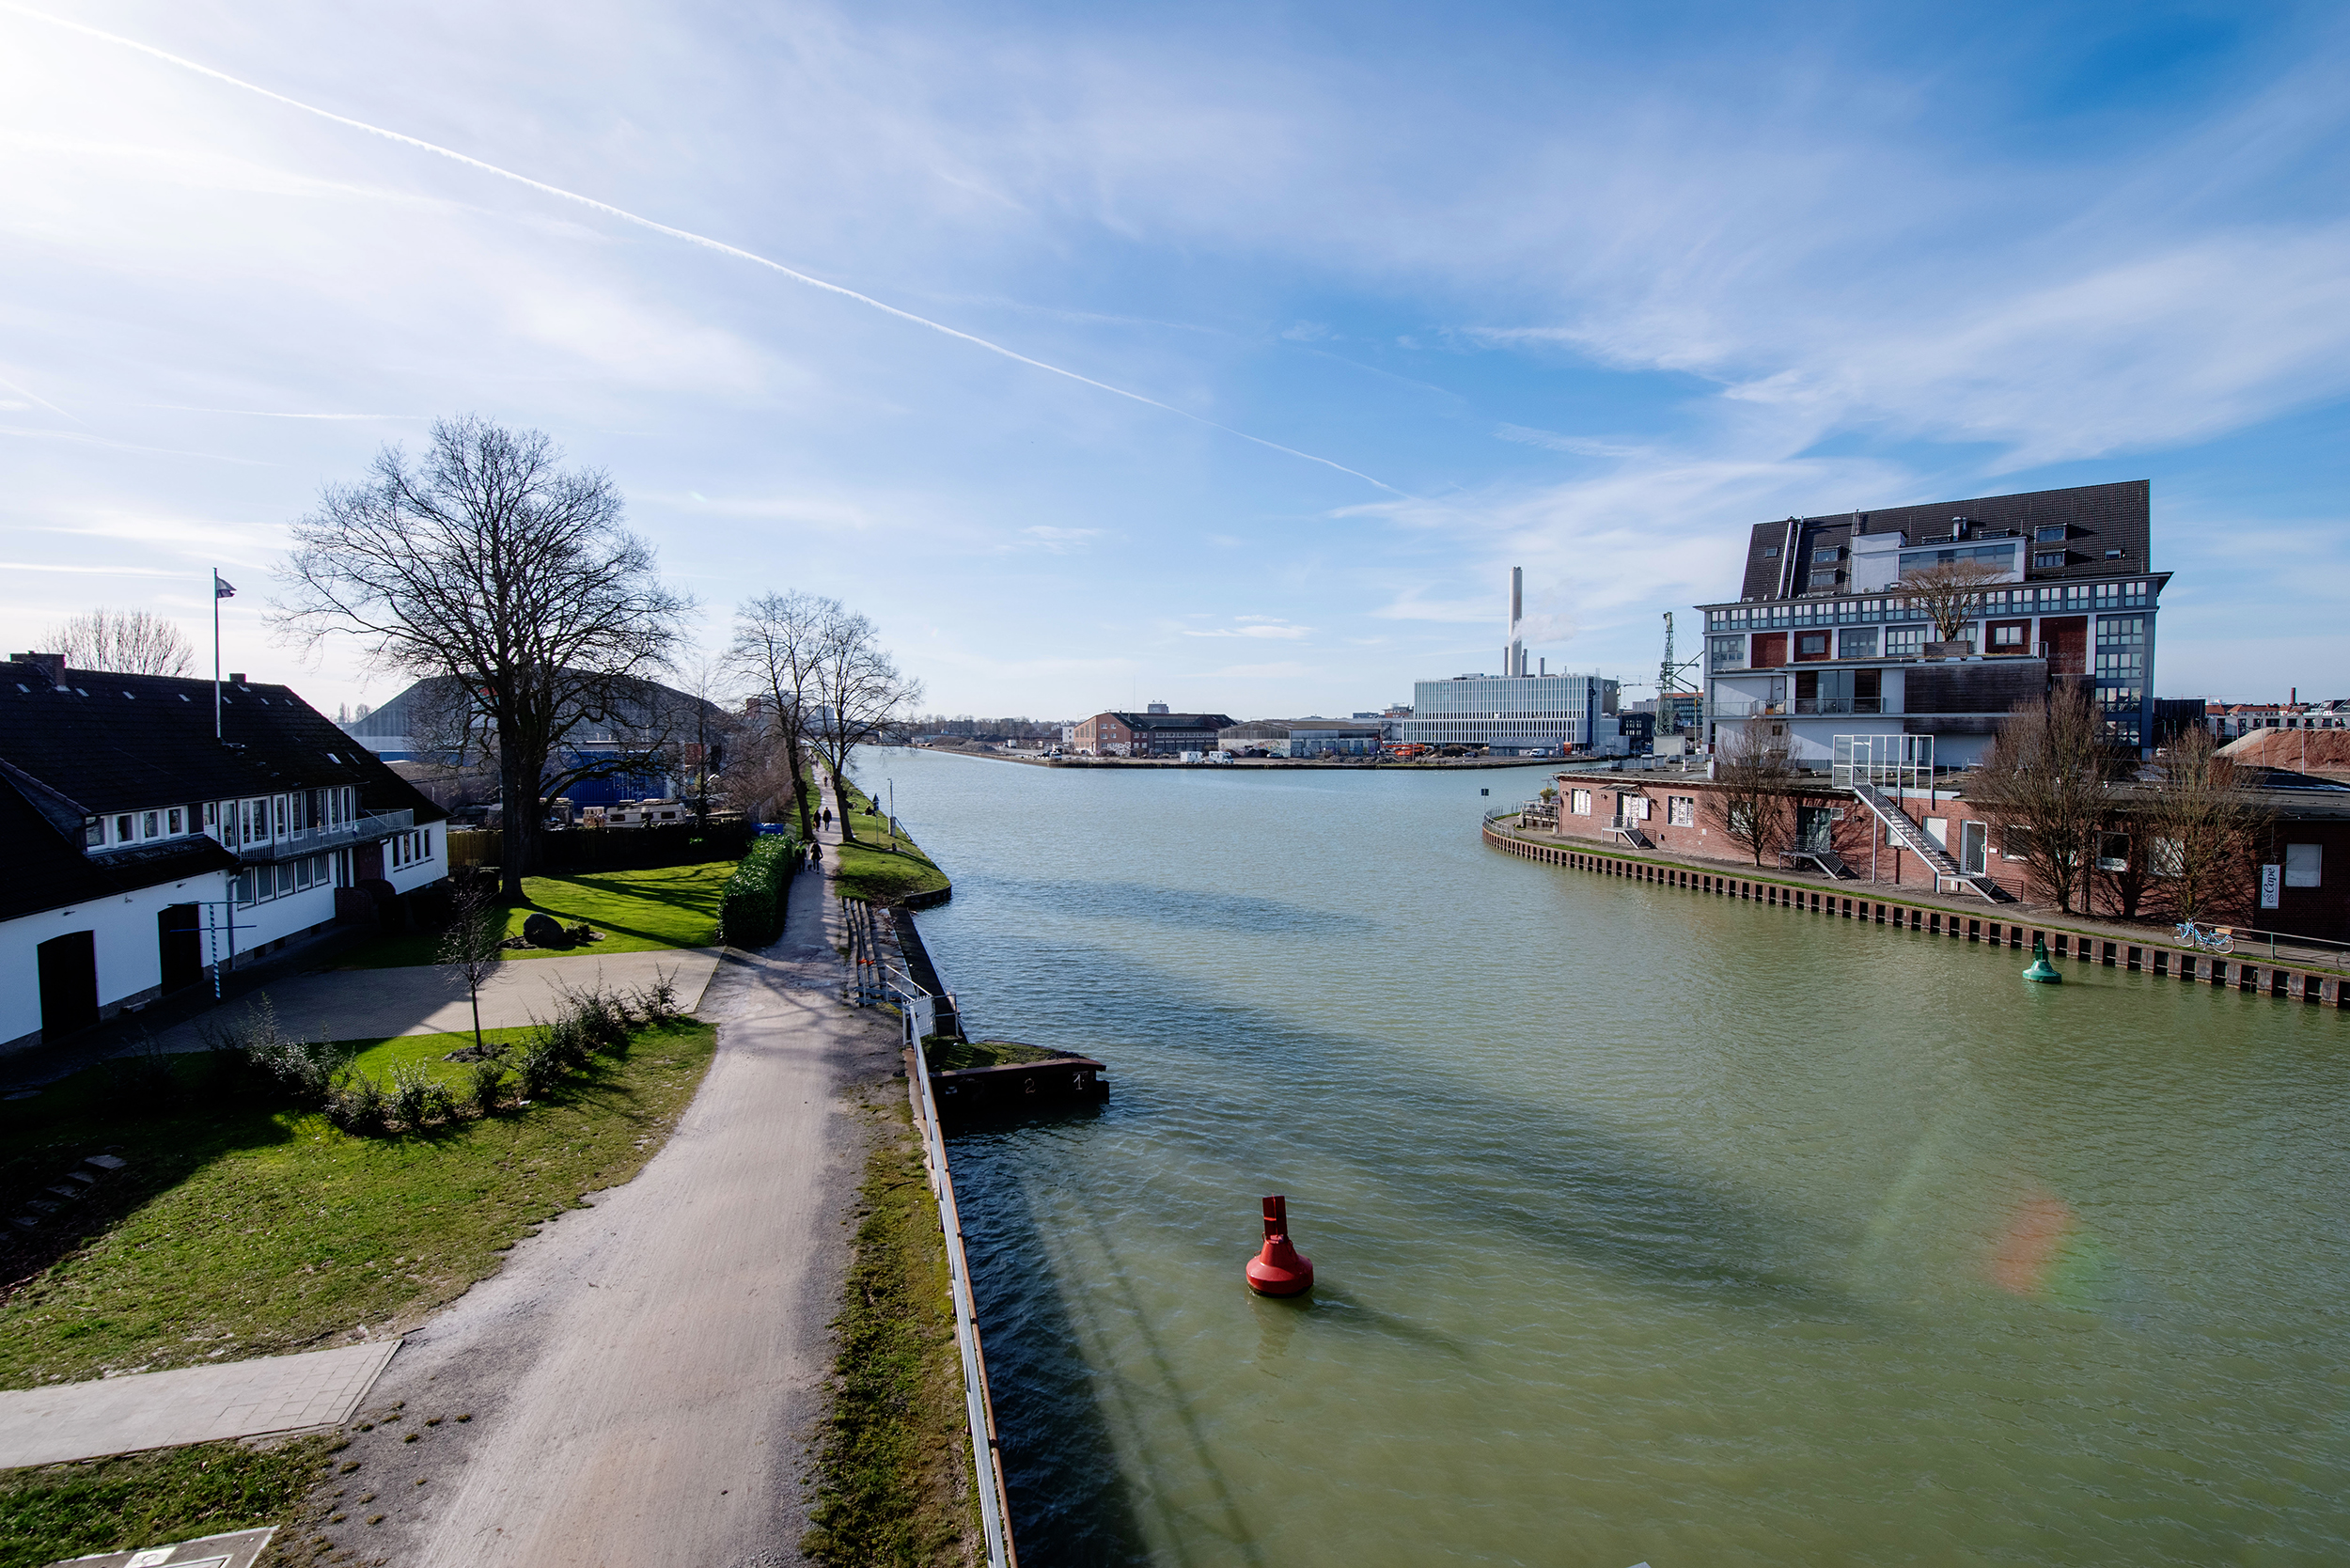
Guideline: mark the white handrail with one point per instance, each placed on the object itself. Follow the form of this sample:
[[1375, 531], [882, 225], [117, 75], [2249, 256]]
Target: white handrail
[[978, 1410]]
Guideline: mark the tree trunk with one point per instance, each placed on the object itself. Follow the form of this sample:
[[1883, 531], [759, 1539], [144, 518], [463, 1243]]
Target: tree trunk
[[840, 797], [796, 759], [518, 841]]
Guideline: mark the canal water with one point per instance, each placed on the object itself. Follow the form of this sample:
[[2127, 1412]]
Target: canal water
[[1649, 1227]]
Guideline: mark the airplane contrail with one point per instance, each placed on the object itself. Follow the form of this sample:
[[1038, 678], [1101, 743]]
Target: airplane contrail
[[686, 235]]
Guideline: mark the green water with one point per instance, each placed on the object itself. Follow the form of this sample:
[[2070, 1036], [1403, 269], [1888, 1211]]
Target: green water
[[1649, 1227]]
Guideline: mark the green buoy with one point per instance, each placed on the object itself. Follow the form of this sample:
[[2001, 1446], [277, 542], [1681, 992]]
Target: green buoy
[[2042, 971]]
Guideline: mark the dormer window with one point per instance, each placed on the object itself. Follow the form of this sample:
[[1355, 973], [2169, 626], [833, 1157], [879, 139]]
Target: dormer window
[[1770, 551], [122, 829], [2048, 533], [153, 827]]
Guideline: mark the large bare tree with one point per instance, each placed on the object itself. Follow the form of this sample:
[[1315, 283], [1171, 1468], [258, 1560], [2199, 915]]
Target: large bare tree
[[781, 640], [127, 642], [1950, 593], [862, 694], [1750, 801], [2206, 823], [2047, 783], [486, 562]]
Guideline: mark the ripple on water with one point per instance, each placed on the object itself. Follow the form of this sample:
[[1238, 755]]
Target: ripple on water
[[1646, 1225]]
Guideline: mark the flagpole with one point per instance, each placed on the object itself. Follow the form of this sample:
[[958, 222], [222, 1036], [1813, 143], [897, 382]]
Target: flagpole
[[216, 653]]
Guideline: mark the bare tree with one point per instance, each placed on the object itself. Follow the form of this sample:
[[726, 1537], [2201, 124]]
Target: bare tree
[[862, 692], [2205, 821], [469, 947], [2045, 782], [780, 643], [486, 563], [1950, 593], [1749, 802], [126, 642]]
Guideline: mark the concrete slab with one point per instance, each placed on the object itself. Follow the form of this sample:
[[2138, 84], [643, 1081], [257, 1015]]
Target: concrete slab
[[192, 1405], [360, 1004], [238, 1549]]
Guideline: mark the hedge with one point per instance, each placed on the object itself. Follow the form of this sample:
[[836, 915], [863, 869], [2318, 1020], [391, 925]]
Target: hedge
[[750, 909]]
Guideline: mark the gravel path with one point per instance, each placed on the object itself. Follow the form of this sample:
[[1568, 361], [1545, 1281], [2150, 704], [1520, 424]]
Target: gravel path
[[642, 1378]]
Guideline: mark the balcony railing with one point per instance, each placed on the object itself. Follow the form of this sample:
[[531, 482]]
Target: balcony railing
[[360, 830], [1839, 705]]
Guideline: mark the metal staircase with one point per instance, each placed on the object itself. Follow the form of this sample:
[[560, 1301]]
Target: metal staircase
[[1917, 842], [1827, 860], [1624, 828]]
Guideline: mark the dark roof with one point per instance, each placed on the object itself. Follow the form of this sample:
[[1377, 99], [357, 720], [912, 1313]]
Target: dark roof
[[48, 869], [2095, 518], [634, 702], [1172, 721], [101, 742]]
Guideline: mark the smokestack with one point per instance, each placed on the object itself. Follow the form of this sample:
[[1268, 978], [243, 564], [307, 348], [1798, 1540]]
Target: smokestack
[[1513, 657]]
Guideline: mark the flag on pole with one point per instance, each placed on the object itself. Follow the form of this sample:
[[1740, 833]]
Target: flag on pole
[[222, 588]]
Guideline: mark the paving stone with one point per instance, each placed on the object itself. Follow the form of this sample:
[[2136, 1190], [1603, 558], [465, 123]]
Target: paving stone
[[106, 1162]]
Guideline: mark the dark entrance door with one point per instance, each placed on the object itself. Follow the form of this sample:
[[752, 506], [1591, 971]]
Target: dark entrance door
[[69, 984], [182, 948], [1814, 828], [366, 862]]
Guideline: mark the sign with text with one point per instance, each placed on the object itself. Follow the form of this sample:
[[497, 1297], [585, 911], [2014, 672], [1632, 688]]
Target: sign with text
[[2271, 886]]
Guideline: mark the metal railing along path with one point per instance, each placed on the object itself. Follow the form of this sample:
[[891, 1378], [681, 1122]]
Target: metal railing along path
[[986, 1452]]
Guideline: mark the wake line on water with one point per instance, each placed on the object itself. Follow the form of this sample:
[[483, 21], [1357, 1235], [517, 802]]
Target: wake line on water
[[687, 235]]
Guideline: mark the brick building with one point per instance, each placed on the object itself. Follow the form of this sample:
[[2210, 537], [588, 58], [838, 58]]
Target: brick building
[[1153, 733]]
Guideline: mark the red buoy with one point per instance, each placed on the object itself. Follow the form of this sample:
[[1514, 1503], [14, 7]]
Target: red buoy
[[1280, 1269]]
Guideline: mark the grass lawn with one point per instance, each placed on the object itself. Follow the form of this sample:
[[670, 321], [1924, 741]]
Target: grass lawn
[[869, 870], [670, 906], [53, 1511], [893, 1477], [238, 1230]]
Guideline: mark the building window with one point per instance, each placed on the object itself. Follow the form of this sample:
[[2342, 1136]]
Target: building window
[[174, 817], [2305, 865], [1581, 800], [1810, 645], [2048, 533], [122, 830], [1904, 641], [1727, 652], [245, 887], [1681, 810], [285, 876], [212, 813], [1858, 643], [94, 832], [2009, 635], [2047, 560], [302, 874]]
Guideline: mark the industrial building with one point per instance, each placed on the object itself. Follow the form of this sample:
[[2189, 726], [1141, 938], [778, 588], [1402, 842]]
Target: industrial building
[[1306, 737], [1515, 711]]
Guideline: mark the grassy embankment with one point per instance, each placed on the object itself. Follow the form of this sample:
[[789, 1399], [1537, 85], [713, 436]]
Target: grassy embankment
[[641, 911], [867, 867], [894, 1476], [143, 1499], [241, 1229]]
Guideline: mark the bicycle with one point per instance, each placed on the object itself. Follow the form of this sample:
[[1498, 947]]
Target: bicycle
[[2218, 939]]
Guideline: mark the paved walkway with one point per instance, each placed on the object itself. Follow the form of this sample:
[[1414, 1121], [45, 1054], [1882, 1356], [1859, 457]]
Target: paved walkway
[[192, 1404], [644, 1375], [365, 1004]]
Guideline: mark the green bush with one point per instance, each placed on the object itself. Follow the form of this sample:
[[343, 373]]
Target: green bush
[[750, 911]]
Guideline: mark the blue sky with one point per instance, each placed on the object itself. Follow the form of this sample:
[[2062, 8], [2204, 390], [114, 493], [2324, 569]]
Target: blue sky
[[1587, 290]]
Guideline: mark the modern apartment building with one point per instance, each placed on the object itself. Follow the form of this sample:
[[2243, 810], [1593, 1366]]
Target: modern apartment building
[[1820, 642]]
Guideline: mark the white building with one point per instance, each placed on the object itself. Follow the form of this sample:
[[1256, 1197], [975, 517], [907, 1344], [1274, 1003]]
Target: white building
[[143, 851], [1515, 713]]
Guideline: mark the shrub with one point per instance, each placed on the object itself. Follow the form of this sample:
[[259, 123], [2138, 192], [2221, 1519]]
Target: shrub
[[658, 1001], [538, 1066], [254, 1051], [751, 906], [601, 1017], [410, 1102], [486, 1086], [355, 1101]]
